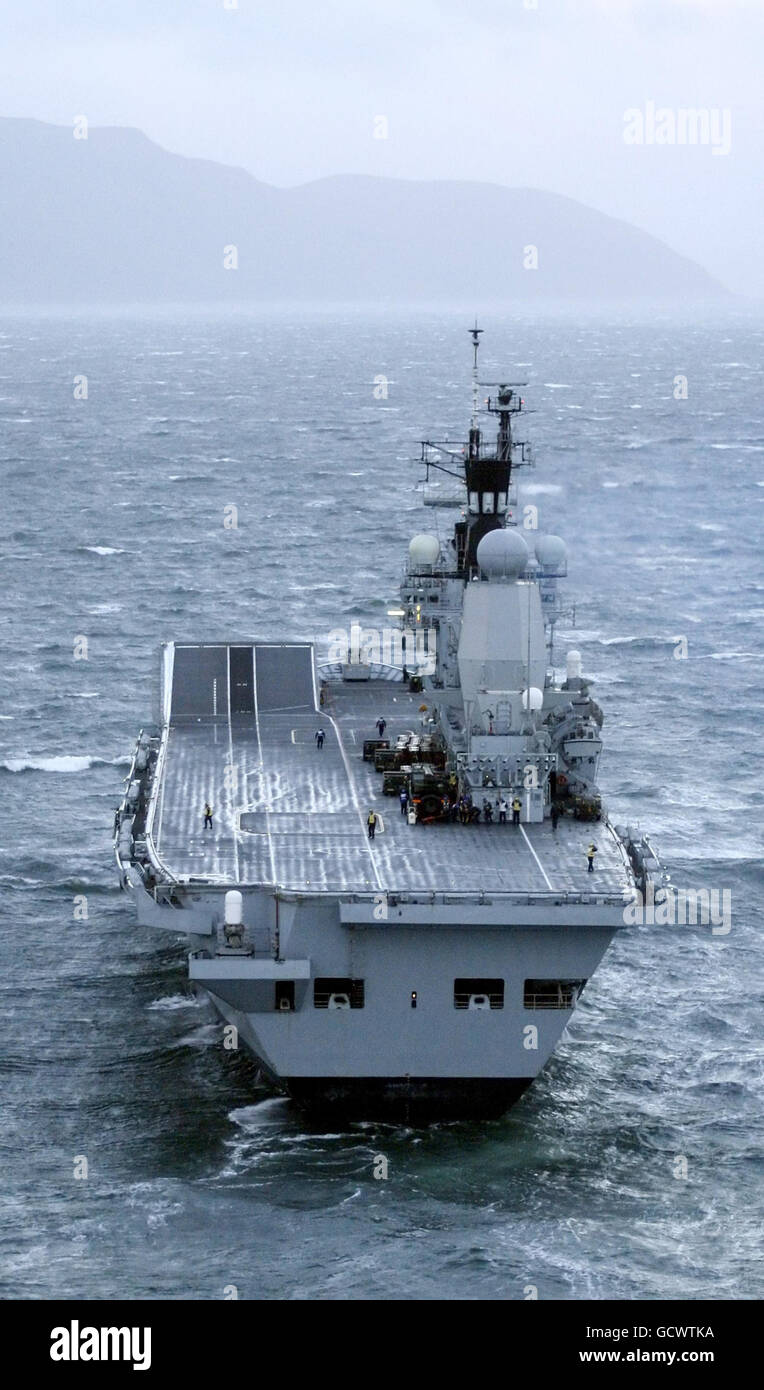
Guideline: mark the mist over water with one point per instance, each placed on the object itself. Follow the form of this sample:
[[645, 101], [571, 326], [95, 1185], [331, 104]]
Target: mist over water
[[114, 509]]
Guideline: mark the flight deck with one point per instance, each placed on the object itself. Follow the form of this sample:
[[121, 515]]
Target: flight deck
[[240, 735]]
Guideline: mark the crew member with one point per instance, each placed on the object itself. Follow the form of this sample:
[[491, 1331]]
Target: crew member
[[590, 853], [503, 808], [487, 811], [516, 809], [404, 800], [320, 738], [207, 816], [381, 725], [371, 822]]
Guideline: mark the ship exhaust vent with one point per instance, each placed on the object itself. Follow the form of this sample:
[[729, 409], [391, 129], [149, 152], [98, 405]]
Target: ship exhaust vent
[[552, 994], [478, 994], [339, 993]]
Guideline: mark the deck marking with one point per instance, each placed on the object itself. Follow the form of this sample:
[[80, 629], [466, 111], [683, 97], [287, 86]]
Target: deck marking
[[231, 762], [535, 856], [260, 752], [356, 803]]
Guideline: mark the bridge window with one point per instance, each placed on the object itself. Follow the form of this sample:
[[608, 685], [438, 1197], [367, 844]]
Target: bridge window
[[338, 992], [552, 994], [478, 994]]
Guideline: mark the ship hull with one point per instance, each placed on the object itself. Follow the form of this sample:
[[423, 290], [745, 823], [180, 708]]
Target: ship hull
[[401, 1099], [408, 1099], [439, 1010], [418, 1046]]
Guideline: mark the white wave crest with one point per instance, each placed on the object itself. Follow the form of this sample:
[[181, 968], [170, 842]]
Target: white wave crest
[[175, 1001], [62, 763]]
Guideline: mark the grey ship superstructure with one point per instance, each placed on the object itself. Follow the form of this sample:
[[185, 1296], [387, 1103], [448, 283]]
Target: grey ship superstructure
[[429, 971]]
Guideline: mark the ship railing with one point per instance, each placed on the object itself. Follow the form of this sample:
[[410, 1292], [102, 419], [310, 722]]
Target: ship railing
[[131, 774], [202, 887], [156, 785], [560, 999], [569, 897], [627, 864], [123, 807]]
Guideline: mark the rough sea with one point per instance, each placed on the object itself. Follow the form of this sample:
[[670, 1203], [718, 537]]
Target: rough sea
[[114, 504]]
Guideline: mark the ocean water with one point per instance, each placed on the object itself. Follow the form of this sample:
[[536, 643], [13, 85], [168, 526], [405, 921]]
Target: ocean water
[[197, 1179]]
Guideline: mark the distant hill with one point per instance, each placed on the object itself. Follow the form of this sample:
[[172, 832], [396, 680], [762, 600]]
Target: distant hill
[[117, 219]]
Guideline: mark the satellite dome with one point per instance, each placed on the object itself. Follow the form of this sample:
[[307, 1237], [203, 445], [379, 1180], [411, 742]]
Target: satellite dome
[[573, 665], [551, 551], [424, 550], [502, 554], [533, 698]]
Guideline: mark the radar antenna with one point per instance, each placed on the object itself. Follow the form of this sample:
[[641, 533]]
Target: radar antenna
[[474, 431]]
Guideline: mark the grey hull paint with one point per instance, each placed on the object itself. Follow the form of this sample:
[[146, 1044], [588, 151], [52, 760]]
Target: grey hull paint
[[387, 1048], [406, 1099]]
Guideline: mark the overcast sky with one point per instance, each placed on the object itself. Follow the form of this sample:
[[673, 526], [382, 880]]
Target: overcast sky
[[499, 90]]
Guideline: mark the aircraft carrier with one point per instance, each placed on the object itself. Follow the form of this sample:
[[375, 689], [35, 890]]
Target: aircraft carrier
[[390, 857]]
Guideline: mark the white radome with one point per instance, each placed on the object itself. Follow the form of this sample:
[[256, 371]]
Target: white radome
[[502, 554], [573, 665], [551, 551], [533, 698], [424, 550], [234, 904]]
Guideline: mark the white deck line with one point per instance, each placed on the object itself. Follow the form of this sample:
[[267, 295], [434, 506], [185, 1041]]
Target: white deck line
[[234, 816], [538, 861], [271, 851], [349, 772], [356, 803]]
